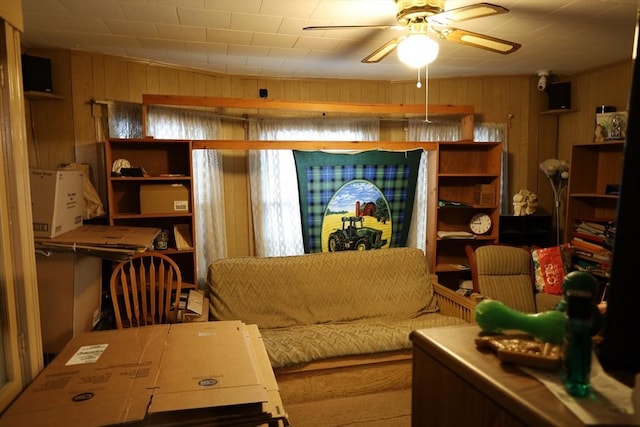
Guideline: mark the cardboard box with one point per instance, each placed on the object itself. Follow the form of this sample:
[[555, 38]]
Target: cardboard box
[[484, 194], [194, 306], [70, 295], [191, 373], [57, 201], [164, 198], [110, 236]]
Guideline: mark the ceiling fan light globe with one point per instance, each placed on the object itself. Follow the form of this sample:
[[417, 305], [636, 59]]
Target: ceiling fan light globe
[[418, 50]]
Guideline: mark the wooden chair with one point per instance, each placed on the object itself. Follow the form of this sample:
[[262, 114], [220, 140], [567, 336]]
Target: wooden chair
[[504, 273], [145, 290]]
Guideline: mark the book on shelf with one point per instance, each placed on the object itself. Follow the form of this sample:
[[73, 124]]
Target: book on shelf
[[182, 235], [589, 237], [582, 244]]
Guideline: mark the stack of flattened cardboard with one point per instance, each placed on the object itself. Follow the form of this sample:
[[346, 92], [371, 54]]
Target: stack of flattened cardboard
[[116, 243], [203, 373]]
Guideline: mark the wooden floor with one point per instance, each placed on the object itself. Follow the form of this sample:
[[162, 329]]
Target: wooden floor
[[391, 408]]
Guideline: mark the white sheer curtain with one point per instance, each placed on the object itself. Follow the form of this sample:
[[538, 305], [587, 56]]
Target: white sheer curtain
[[177, 123], [274, 183]]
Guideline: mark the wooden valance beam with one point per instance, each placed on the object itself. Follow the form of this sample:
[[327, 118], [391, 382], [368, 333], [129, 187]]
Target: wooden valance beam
[[338, 107], [314, 145]]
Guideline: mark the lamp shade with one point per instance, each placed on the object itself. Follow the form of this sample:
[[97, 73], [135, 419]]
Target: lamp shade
[[418, 50]]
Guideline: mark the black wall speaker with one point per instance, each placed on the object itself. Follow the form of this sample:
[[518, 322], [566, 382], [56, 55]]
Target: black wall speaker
[[36, 74], [559, 95]]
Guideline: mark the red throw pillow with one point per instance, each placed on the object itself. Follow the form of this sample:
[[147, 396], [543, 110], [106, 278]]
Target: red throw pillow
[[549, 266]]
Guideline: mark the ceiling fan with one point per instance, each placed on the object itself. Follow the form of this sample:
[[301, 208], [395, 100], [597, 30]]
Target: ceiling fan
[[423, 16]]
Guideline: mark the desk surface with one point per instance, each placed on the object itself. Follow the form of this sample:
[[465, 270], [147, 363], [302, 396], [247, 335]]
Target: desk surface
[[523, 397]]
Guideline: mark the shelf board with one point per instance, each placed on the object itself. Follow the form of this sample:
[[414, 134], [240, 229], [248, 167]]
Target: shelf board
[[557, 112], [170, 251], [606, 143], [593, 196], [142, 216], [45, 96], [468, 207], [450, 268], [468, 175], [151, 178]]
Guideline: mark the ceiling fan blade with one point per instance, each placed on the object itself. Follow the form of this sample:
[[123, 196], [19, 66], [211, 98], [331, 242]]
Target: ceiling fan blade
[[352, 27], [384, 50], [473, 11], [481, 41]]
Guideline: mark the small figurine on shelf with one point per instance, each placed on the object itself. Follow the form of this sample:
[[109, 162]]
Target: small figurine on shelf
[[524, 203], [518, 204], [532, 204], [599, 134]]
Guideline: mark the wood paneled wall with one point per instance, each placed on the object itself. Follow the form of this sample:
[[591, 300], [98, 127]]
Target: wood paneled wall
[[66, 130]]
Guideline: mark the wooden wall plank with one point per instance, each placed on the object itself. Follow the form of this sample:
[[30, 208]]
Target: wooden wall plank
[[116, 78], [137, 81]]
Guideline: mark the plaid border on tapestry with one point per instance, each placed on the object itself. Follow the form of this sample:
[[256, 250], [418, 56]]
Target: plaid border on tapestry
[[321, 174]]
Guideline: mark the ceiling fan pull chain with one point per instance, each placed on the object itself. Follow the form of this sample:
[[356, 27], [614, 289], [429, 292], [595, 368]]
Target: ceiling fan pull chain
[[419, 83], [426, 94]]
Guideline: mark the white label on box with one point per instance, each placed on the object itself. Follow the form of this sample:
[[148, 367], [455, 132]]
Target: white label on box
[[180, 205], [87, 354]]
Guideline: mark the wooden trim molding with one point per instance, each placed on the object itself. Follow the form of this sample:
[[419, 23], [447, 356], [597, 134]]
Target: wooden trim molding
[[314, 145], [340, 107]]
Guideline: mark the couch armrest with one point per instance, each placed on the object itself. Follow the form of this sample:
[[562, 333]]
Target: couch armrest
[[454, 304]]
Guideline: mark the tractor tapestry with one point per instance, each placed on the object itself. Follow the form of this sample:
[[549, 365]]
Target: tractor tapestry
[[358, 201]]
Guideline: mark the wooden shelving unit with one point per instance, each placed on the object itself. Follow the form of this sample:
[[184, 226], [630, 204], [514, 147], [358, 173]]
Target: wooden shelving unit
[[165, 162], [459, 167], [593, 167], [595, 170]]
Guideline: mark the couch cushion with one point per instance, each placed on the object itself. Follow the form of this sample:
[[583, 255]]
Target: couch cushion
[[278, 292], [301, 344]]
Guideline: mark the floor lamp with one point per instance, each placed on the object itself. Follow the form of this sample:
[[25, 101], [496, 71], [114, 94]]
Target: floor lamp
[[557, 172]]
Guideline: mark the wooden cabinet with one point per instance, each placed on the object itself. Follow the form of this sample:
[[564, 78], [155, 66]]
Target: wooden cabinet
[[165, 164], [526, 230], [476, 388], [466, 173]]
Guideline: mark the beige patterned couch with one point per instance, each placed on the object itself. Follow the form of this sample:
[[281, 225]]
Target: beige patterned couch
[[335, 324]]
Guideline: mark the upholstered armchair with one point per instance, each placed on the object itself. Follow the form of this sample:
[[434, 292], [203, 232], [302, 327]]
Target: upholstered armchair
[[505, 273]]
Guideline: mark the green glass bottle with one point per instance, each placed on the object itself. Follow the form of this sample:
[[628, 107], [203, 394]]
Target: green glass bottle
[[577, 345]]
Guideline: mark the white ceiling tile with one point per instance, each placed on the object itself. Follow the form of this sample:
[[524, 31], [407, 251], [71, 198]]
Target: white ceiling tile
[[182, 32], [563, 35], [247, 22], [106, 9], [246, 6], [273, 40], [161, 44], [204, 18], [141, 29], [229, 36], [143, 12], [240, 50]]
